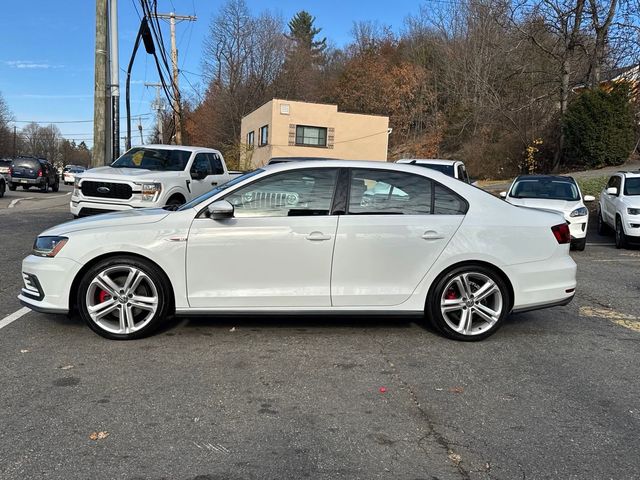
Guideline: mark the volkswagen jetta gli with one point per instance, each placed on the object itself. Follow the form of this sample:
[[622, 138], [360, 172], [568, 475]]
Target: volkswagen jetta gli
[[326, 237]]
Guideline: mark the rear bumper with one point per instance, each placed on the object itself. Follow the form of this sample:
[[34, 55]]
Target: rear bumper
[[27, 181], [559, 303], [543, 284]]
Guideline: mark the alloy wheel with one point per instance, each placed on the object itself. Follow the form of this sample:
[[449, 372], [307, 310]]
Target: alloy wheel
[[122, 299], [471, 303]]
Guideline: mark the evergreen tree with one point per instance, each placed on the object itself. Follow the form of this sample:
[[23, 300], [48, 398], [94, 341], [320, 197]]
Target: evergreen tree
[[303, 32]]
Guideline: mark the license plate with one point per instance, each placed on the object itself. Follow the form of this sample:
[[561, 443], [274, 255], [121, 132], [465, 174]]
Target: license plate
[[23, 181]]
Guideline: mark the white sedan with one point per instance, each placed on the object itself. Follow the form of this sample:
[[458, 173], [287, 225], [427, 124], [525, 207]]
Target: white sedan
[[335, 237], [554, 193]]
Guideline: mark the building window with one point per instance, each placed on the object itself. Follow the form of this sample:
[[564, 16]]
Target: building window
[[311, 136], [251, 138], [264, 135]]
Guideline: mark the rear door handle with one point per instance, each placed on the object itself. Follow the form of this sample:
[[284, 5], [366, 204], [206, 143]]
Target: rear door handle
[[432, 235], [318, 237]]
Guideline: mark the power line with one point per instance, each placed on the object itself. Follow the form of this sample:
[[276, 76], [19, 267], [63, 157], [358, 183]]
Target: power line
[[71, 121]]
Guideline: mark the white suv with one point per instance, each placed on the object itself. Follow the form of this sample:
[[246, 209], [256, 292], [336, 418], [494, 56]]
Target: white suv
[[619, 208]]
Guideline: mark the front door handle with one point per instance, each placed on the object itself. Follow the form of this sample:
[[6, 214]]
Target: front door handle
[[214, 184], [432, 235], [318, 237]]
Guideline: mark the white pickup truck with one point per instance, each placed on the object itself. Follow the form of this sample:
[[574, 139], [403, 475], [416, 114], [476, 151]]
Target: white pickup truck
[[149, 176]]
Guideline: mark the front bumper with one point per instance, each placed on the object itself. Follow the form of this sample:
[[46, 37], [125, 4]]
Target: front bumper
[[578, 227], [47, 283]]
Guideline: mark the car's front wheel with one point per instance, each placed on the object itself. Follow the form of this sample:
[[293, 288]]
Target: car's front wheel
[[579, 244], [621, 238], [124, 298], [468, 303], [603, 228]]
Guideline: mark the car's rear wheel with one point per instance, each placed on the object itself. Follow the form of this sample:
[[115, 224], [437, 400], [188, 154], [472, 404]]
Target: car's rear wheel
[[45, 187], [468, 303], [3, 188], [12, 187], [621, 238], [124, 298], [56, 186]]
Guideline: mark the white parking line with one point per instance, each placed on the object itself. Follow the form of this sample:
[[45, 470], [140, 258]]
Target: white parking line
[[14, 316], [17, 200]]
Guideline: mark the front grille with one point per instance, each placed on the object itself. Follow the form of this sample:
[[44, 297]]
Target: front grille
[[106, 190], [85, 212]]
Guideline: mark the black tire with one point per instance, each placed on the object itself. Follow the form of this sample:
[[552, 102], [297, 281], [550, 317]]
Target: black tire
[[12, 187], [437, 292], [56, 186], [621, 238], [3, 188], [45, 187], [174, 202], [156, 276], [579, 244], [603, 228]]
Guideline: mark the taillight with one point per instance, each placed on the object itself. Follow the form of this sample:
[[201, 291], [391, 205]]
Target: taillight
[[561, 232], [11, 171], [40, 172]]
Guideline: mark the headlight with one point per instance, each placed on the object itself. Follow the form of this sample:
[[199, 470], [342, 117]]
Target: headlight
[[633, 211], [76, 187], [151, 191], [48, 246], [579, 212]]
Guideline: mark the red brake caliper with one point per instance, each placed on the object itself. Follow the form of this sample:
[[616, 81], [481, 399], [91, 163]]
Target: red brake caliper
[[451, 294], [103, 296]]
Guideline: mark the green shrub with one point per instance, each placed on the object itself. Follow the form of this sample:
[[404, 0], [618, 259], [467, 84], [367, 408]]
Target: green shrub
[[599, 128], [592, 186]]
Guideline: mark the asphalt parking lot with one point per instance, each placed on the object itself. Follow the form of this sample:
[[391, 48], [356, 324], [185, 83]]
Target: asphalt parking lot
[[554, 394]]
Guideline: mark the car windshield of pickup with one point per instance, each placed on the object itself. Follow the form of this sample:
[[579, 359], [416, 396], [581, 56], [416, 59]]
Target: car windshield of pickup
[[154, 159]]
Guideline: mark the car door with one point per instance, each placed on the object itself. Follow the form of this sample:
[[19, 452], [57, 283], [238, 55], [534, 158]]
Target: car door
[[395, 227], [274, 252], [610, 200]]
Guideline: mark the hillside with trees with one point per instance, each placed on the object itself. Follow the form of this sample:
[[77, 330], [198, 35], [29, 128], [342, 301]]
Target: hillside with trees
[[490, 82]]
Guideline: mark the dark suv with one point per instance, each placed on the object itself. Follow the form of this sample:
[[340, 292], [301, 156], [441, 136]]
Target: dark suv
[[33, 172]]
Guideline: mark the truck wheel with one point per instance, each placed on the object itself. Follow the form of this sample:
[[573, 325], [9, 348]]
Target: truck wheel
[[56, 186], [45, 188], [3, 188], [174, 202], [12, 187]]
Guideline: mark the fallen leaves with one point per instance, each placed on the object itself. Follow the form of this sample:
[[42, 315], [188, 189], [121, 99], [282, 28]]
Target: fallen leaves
[[456, 389], [98, 435]]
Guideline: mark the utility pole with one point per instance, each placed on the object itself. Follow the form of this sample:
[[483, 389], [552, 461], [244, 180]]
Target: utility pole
[[100, 126], [140, 130], [172, 17], [158, 107], [115, 76], [15, 135]]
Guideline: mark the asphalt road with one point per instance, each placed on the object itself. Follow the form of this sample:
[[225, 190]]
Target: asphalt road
[[553, 395]]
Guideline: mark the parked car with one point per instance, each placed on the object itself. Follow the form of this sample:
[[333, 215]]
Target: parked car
[[452, 168], [619, 208], [30, 172], [69, 174], [299, 237], [5, 166], [275, 160], [554, 193], [149, 176]]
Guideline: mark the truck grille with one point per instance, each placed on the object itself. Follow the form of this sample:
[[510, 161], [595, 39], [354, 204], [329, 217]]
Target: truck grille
[[259, 200], [106, 190]]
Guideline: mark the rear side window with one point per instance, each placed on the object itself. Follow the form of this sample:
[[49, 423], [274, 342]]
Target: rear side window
[[216, 164], [384, 192]]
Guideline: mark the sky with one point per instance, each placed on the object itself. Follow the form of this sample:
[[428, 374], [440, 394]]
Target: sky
[[47, 53]]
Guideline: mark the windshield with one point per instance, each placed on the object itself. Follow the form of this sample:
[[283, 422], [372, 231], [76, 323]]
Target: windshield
[[219, 189], [446, 169], [632, 186], [154, 159], [545, 189]]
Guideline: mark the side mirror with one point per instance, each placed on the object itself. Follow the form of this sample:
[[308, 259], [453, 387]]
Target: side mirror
[[220, 210], [589, 198], [503, 194], [199, 174], [612, 191]]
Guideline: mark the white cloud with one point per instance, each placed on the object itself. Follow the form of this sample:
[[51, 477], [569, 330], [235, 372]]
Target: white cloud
[[29, 64]]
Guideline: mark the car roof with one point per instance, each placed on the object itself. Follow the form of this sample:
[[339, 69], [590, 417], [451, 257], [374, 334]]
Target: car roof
[[373, 164], [176, 147], [432, 161], [632, 174], [557, 178]]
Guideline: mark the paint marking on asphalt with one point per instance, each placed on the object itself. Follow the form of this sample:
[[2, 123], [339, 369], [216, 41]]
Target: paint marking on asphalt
[[622, 319], [14, 316], [18, 200]]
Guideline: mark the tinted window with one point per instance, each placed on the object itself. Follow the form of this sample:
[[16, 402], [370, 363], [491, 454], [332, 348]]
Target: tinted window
[[383, 192], [446, 169], [545, 188], [152, 159], [26, 163], [448, 203], [294, 193], [216, 163], [201, 164], [632, 186], [219, 189]]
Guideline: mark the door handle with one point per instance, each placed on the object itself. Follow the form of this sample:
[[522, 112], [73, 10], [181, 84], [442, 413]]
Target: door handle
[[214, 184], [318, 237], [432, 235]]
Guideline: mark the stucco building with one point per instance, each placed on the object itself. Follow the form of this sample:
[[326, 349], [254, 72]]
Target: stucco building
[[284, 128]]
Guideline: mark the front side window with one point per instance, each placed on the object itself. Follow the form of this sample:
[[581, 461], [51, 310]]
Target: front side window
[[311, 136], [154, 159], [264, 135], [304, 192], [201, 164]]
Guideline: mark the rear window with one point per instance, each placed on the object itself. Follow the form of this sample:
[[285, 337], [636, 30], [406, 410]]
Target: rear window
[[446, 169], [26, 163]]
